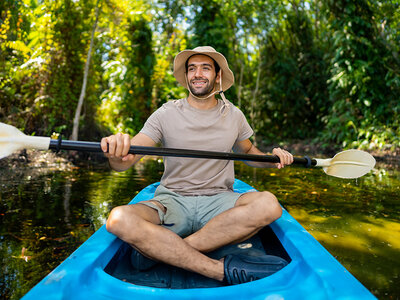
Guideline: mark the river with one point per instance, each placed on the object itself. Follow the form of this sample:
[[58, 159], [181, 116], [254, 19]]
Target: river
[[46, 213]]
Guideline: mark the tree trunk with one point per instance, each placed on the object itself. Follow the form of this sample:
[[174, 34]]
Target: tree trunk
[[75, 129], [317, 19], [254, 99], [240, 84]]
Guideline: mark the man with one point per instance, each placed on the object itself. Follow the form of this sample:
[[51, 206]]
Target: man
[[195, 204]]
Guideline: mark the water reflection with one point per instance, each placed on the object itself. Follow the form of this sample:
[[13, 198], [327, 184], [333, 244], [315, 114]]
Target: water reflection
[[45, 216], [356, 220]]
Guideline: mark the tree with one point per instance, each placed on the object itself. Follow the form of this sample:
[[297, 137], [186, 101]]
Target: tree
[[129, 65], [294, 76], [78, 111], [364, 81]]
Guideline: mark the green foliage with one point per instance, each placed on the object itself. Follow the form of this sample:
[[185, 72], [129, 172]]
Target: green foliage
[[213, 22], [164, 83], [126, 103], [364, 84], [15, 87], [306, 68], [137, 88], [293, 79], [48, 68], [211, 26]]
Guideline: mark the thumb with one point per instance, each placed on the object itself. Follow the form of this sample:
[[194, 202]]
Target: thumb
[[129, 157]]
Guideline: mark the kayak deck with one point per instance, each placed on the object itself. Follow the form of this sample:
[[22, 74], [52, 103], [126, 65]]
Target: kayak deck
[[166, 276]]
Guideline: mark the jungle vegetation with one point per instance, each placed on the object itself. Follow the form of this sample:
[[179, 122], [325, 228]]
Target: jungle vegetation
[[320, 70]]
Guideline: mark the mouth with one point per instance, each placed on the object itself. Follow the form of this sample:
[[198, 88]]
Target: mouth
[[199, 83]]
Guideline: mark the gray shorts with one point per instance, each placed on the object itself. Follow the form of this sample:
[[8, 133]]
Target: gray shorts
[[188, 214]]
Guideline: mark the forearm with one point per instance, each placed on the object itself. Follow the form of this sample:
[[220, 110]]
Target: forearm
[[255, 164]]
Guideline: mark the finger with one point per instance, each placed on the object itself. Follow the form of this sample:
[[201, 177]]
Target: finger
[[129, 157], [278, 152], [104, 145], [119, 144], [288, 158], [112, 143], [126, 144], [284, 156], [291, 159], [275, 152]]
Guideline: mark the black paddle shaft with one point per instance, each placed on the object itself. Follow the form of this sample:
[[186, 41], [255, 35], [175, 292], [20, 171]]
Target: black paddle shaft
[[95, 147]]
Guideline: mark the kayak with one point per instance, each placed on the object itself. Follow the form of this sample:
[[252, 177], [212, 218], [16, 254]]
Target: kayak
[[100, 269]]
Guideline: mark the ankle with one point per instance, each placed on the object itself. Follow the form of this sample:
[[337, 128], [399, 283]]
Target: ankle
[[220, 275]]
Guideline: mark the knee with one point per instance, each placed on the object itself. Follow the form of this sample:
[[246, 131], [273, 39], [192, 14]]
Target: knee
[[121, 218], [268, 207], [115, 219]]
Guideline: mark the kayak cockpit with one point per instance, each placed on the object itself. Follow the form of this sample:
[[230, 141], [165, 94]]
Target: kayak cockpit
[[165, 276]]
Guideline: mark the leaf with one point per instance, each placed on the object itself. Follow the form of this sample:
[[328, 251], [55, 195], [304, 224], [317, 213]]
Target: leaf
[[19, 46], [367, 102]]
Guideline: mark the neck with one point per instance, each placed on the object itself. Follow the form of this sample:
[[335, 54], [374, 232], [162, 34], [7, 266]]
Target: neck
[[203, 103]]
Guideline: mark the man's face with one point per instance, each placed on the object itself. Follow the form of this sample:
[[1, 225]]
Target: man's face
[[201, 75]]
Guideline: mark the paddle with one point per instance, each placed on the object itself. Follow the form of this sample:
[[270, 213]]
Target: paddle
[[346, 164]]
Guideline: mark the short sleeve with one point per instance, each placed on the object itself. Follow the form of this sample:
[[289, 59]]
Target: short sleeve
[[152, 127], [244, 128]]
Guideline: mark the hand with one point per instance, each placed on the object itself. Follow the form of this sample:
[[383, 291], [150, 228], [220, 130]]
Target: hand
[[117, 146], [285, 157]]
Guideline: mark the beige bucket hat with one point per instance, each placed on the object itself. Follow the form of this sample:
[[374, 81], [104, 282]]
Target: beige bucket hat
[[183, 56]]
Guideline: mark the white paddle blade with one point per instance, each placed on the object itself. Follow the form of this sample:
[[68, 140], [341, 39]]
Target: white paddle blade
[[12, 140], [350, 164], [6, 133]]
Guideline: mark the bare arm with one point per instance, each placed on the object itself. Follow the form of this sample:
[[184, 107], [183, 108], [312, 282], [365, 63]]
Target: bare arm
[[247, 147], [118, 147]]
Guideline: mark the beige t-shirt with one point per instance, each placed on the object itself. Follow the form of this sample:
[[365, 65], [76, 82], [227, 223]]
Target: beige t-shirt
[[179, 125]]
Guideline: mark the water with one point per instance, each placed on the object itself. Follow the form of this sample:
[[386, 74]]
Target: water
[[46, 214]]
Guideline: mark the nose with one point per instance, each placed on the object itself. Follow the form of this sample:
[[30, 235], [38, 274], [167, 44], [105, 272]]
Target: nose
[[198, 72]]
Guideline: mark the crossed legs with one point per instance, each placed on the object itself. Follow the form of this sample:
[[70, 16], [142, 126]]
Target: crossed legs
[[138, 225]]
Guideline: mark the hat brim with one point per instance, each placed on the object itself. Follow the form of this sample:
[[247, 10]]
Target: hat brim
[[180, 69]]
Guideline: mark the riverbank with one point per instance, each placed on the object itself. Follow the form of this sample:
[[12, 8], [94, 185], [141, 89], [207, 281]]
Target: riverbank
[[37, 159]]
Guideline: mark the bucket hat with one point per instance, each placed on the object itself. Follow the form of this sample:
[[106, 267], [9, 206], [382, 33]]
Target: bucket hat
[[183, 56]]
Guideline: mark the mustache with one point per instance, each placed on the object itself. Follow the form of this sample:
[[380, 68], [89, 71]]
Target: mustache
[[199, 78]]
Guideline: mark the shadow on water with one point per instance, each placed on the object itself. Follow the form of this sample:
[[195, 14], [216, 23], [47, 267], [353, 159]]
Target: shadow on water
[[46, 215]]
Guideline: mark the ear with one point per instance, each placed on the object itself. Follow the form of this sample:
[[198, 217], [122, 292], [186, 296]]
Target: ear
[[218, 77]]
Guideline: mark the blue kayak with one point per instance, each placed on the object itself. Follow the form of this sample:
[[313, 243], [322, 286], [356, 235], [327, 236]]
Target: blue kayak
[[100, 269]]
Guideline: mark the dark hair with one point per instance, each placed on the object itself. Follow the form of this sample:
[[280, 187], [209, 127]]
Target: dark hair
[[216, 66]]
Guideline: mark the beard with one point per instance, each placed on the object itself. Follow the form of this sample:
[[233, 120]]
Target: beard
[[207, 89]]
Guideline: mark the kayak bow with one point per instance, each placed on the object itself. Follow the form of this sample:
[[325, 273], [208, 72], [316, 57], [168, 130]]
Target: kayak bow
[[93, 271]]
